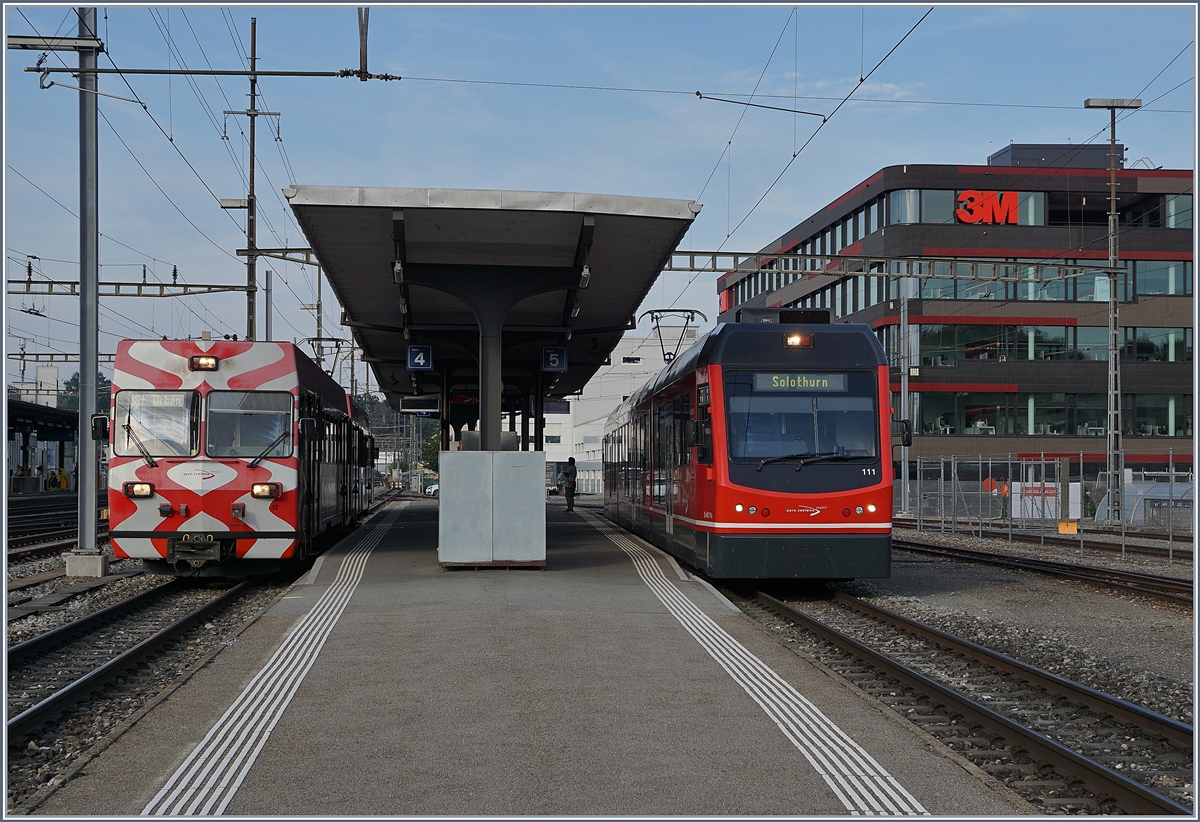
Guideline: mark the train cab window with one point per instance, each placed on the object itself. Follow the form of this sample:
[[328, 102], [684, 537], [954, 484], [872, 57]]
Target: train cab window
[[778, 414], [249, 424], [156, 423]]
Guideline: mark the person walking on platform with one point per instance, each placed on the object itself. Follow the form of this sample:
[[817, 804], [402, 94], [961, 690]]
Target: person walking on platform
[[569, 473]]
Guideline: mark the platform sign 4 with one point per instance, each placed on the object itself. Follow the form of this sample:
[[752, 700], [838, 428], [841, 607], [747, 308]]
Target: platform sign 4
[[554, 358], [420, 358]]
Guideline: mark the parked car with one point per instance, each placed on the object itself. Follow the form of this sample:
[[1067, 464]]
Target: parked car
[[432, 491]]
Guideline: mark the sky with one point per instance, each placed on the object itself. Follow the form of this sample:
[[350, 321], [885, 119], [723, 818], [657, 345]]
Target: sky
[[483, 104]]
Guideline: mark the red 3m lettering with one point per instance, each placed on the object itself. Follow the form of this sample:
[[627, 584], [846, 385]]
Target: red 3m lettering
[[970, 210], [988, 206], [1000, 206]]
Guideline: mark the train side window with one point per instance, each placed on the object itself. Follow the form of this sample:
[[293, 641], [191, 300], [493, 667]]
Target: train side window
[[704, 451]]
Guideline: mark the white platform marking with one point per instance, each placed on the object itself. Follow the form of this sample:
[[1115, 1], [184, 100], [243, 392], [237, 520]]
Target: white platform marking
[[861, 783], [209, 778]]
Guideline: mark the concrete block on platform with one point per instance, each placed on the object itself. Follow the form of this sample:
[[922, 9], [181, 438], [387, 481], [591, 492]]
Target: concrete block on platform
[[87, 565]]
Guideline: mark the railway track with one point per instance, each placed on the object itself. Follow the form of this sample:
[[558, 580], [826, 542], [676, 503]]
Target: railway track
[[1061, 744], [1181, 550], [1161, 587], [54, 670]]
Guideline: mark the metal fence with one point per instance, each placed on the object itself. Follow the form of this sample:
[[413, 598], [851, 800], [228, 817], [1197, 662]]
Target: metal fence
[[1022, 495]]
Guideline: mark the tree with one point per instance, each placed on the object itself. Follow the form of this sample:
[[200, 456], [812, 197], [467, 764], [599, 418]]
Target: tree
[[69, 395], [431, 447]]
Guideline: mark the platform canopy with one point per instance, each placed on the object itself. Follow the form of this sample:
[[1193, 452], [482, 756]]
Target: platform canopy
[[487, 279]]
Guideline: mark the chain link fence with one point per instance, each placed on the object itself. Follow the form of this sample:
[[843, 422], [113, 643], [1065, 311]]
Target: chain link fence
[[1022, 495]]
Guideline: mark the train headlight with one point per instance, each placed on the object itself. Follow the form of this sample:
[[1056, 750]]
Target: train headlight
[[203, 362], [138, 489], [871, 508], [265, 490], [738, 508]]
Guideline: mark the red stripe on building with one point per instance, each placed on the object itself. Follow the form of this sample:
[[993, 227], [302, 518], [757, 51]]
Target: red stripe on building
[[995, 388], [1046, 171], [1050, 256], [954, 319], [878, 175]]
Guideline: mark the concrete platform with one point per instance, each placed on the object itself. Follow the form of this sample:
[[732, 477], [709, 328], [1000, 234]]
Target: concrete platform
[[605, 684]]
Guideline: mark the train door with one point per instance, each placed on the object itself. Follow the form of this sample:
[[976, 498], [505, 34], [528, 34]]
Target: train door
[[667, 471], [310, 466]]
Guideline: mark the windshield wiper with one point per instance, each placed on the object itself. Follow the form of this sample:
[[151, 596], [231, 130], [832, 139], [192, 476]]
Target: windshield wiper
[[268, 449], [145, 452], [807, 457]]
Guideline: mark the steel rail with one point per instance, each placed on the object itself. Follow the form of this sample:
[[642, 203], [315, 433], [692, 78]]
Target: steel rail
[[1174, 730], [1168, 588], [63, 633], [1132, 796], [35, 716]]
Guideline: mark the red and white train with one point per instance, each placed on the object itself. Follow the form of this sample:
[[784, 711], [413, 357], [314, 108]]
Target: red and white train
[[763, 451], [230, 457]]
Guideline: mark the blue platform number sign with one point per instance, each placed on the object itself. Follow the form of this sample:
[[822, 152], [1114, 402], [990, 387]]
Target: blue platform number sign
[[420, 358], [554, 358]]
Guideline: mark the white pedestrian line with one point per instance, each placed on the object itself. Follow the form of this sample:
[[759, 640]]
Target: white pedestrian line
[[860, 783], [209, 778]]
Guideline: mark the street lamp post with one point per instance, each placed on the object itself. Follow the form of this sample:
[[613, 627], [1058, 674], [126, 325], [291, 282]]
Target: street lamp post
[[1116, 468]]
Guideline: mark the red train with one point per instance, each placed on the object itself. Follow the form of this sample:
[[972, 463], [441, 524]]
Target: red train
[[230, 458], [761, 452]]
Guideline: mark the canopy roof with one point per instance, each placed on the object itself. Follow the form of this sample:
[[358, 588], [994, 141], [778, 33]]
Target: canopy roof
[[469, 257]]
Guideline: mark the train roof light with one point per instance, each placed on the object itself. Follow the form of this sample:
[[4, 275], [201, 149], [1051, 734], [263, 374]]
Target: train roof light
[[203, 362], [797, 339]]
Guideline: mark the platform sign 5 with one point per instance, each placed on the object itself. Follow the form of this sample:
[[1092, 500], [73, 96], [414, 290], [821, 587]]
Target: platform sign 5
[[554, 358], [420, 358]]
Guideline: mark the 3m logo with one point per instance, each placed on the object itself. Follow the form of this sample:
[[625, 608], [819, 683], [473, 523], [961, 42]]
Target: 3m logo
[[987, 206]]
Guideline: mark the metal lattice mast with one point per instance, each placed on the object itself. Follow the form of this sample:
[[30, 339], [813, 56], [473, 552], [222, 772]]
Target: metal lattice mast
[[1116, 466]]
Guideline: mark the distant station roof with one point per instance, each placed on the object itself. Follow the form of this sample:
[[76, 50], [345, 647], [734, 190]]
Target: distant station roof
[[434, 266]]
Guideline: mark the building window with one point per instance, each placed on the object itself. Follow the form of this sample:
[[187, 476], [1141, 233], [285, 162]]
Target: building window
[[1091, 342], [980, 342], [1161, 345], [1049, 288], [904, 206], [1041, 414], [936, 344], [1091, 414], [940, 286], [1032, 209], [1158, 278], [983, 414], [860, 224], [937, 206], [873, 217], [1091, 288], [1160, 415], [1040, 342], [1179, 210], [937, 413]]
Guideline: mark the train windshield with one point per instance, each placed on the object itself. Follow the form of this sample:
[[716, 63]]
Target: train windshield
[[249, 424], [156, 423], [776, 414]]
